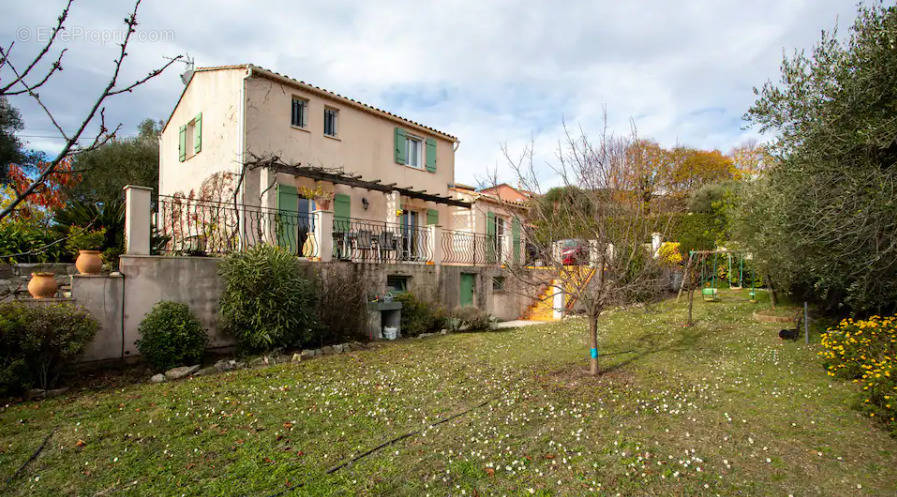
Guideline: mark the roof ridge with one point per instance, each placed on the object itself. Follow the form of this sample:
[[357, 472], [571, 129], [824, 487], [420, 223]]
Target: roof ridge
[[326, 91]]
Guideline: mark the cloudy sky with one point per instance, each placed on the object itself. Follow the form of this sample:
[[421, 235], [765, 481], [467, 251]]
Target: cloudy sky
[[487, 72]]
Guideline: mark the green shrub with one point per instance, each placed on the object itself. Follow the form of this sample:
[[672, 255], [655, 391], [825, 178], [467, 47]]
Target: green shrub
[[82, 239], [170, 335], [29, 241], [470, 319], [419, 316], [38, 341], [266, 302], [695, 231]]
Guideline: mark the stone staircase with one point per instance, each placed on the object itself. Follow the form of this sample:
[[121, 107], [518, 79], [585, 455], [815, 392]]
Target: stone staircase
[[542, 306]]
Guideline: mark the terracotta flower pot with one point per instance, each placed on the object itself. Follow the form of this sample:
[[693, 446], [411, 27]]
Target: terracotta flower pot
[[323, 203], [42, 285], [89, 262]]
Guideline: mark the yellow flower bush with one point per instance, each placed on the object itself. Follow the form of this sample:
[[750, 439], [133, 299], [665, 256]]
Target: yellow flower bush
[[669, 254], [865, 351]]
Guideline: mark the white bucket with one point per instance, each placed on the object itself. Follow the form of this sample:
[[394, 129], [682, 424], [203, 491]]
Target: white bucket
[[390, 332]]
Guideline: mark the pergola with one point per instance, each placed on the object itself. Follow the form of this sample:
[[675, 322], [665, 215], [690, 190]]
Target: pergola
[[340, 177]]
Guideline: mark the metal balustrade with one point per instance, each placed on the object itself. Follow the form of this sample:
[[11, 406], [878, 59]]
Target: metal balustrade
[[201, 227], [187, 226], [472, 249], [362, 240]]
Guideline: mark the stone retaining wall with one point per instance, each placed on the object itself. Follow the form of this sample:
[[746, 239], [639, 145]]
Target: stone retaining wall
[[121, 301]]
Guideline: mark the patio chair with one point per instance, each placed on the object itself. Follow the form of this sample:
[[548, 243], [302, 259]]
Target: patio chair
[[387, 244], [364, 242]]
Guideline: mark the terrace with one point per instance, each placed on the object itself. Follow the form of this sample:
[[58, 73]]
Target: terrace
[[189, 226]]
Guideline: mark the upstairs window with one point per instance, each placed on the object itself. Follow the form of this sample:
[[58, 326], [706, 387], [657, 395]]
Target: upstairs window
[[410, 150], [190, 138], [413, 147], [330, 121], [299, 112]]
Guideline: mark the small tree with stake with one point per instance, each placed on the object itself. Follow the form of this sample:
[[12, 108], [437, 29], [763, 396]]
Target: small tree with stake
[[28, 78], [602, 207]]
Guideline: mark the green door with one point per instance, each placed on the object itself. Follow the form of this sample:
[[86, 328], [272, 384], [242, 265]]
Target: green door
[[467, 282], [287, 218]]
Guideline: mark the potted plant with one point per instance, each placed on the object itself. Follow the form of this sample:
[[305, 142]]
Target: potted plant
[[42, 285], [323, 197], [86, 244]]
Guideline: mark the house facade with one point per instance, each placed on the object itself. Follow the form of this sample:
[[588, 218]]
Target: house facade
[[273, 144], [498, 221]]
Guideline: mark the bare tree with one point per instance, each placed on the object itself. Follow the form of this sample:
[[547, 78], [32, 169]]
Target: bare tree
[[29, 78], [602, 213]]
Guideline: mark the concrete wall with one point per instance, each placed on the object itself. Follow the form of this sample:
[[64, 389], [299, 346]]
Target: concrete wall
[[121, 302], [102, 296]]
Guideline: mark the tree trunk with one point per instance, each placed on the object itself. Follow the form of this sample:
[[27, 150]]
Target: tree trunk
[[691, 299], [593, 344], [772, 292]]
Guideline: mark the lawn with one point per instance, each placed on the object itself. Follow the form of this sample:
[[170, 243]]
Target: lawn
[[722, 408]]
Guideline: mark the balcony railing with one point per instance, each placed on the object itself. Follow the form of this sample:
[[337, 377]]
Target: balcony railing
[[201, 227], [462, 247], [372, 241], [186, 226]]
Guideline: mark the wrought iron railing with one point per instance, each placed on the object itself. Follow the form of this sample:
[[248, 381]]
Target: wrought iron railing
[[202, 227], [373, 241], [462, 247]]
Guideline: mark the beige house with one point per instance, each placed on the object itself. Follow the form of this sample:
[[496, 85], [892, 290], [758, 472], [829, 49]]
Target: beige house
[[499, 221], [270, 144]]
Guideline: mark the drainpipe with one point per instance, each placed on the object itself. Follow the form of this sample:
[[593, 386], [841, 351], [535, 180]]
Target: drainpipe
[[122, 316], [241, 156]]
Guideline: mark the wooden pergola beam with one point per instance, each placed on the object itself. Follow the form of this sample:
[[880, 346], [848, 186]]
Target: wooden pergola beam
[[356, 181]]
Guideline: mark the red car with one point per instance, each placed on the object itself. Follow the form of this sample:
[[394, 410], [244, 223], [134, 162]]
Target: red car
[[574, 252]]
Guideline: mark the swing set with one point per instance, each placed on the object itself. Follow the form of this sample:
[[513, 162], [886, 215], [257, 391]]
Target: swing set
[[710, 276]]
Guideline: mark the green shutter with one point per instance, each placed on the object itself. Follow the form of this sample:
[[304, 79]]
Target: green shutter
[[341, 211], [197, 134], [431, 155], [400, 146], [287, 218], [490, 237], [515, 237], [182, 143], [432, 216]]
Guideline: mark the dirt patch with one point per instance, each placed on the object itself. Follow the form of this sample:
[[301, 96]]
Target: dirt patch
[[575, 376]]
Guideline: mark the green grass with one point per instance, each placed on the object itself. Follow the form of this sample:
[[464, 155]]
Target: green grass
[[721, 408]]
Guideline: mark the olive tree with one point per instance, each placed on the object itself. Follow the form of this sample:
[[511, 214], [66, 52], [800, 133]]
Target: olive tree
[[823, 217]]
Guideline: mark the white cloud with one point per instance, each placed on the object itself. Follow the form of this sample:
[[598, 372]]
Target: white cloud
[[487, 72]]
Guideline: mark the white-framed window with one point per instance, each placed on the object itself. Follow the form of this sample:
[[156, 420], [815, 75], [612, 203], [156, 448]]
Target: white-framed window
[[190, 138], [499, 234], [299, 112], [414, 151], [331, 121]]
